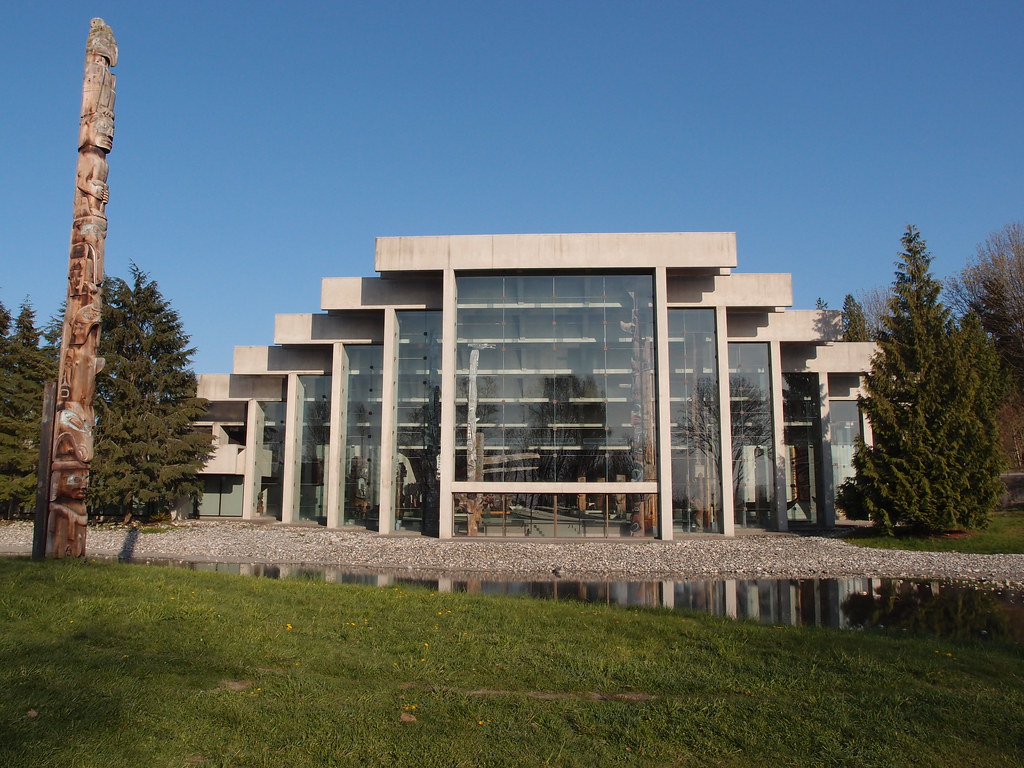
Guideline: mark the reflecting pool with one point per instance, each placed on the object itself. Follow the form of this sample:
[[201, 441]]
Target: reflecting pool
[[934, 608]]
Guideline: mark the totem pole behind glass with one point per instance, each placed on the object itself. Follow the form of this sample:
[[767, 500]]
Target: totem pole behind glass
[[76, 382]]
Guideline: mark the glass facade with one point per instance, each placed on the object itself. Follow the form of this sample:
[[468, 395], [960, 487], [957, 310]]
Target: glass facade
[[222, 496], [270, 463], [801, 417], [601, 515], [555, 384], [753, 460], [418, 407], [696, 425], [315, 431], [361, 468], [845, 428], [557, 375]]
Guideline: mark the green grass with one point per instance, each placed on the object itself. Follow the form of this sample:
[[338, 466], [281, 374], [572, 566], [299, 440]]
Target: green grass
[[1004, 535], [113, 665]]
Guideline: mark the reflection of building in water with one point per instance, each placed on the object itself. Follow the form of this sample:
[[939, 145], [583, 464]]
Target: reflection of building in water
[[542, 386]]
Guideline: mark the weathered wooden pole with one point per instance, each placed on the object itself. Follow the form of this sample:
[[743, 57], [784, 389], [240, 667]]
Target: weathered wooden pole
[[72, 450], [43, 471]]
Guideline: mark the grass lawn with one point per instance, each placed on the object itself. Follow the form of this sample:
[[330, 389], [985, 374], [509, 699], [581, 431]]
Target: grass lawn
[[1004, 535], [114, 665]]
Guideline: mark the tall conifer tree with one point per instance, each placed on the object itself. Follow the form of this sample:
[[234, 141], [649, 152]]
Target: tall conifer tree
[[25, 366], [147, 452], [932, 398], [855, 326]]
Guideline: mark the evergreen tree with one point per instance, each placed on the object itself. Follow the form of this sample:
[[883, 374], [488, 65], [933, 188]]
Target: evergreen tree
[[147, 453], [24, 367], [932, 397], [855, 327]]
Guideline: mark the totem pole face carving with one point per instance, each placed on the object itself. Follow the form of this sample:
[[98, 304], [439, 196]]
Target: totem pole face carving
[[74, 434], [86, 319], [97, 130], [72, 484]]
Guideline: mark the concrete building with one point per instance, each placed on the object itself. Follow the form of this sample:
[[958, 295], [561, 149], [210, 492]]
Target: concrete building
[[598, 385]]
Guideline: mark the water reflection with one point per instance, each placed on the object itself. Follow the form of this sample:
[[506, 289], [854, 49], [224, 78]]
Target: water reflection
[[935, 608]]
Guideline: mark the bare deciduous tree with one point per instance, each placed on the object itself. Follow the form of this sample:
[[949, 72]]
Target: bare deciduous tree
[[992, 286]]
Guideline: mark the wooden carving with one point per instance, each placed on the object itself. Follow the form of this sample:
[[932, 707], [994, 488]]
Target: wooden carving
[[76, 383]]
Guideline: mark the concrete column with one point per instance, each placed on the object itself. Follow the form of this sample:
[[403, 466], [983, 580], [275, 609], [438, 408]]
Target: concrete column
[[388, 422], [448, 358], [725, 420], [251, 474], [828, 490], [335, 478], [729, 585], [668, 594], [292, 451], [778, 447], [663, 368]]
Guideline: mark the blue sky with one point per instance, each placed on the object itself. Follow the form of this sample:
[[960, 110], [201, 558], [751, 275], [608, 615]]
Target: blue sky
[[262, 146]]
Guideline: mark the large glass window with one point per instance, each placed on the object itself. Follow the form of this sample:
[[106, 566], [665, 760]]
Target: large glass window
[[555, 378], [801, 417], [555, 384], [315, 423], [417, 492], [844, 420], [602, 515], [696, 426], [270, 460], [753, 460], [361, 469], [222, 496]]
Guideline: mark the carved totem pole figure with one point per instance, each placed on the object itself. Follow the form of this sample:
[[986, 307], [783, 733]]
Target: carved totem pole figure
[[76, 383]]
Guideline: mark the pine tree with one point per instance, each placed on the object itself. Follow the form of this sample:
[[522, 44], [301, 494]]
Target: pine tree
[[855, 326], [147, 453], [932, 397], [24, 367]]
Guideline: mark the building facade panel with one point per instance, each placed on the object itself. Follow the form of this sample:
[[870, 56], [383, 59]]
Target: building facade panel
[[542, 385]]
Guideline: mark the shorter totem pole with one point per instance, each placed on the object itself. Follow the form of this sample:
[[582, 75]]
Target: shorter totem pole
[[72, 449]]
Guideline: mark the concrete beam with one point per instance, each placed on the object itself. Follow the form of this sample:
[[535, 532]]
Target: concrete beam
[[565, 251]]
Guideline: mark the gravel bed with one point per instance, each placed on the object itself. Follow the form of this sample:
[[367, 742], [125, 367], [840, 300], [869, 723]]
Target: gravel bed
[[697, 558]]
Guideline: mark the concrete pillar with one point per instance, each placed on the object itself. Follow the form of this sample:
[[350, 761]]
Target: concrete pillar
[[251, 474], [292, 451], [725, 420], [778, 436], [729, 586], [388, 422], [335, 479], [663, 368], [448, 358]]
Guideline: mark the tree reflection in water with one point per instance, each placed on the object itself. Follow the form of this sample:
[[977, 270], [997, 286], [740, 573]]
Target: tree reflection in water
[[921, 608]]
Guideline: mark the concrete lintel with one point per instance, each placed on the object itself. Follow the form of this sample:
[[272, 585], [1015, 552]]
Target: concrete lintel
[[560, 251], [283, 360], [422, 292], [308, 328], [235, 387]]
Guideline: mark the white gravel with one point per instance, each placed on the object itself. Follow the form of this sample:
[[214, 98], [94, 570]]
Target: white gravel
[[749, 556]]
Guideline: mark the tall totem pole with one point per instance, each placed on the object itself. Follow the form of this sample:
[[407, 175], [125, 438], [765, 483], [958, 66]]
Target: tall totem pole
[[72, 450]]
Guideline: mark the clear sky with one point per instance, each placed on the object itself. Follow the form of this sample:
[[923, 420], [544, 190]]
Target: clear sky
[[261, 146]]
